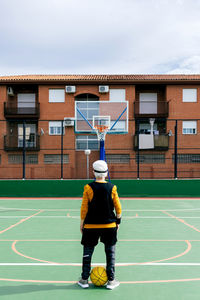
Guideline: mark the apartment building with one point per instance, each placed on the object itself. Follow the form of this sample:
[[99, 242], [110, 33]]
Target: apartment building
[[163, 126]]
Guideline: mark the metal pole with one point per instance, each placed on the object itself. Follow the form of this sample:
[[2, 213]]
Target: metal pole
[[102, 150], [138, 149], [61, 157], [87, 153], [175, 150], [87, 166], [24, 149]]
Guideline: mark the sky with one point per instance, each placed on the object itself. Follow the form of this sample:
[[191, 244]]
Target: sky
[[99, 37]]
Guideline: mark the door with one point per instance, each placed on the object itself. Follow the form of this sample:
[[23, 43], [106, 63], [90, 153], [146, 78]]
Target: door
[[148, 103], [26, 103], [30, 135]]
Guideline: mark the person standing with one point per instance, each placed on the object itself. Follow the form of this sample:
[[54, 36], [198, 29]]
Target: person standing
[[100, 219]]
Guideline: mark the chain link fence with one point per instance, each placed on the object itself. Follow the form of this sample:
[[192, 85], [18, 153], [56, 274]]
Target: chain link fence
[[46, 149]]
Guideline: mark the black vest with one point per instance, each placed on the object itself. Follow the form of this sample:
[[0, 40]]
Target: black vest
[[101, 208]]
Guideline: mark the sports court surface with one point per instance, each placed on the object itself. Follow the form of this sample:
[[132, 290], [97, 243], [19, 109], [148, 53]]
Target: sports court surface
[[158, 252]]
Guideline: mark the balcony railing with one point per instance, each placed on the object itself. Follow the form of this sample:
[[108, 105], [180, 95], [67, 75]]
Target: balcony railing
[[151, 109], [15, 143], [160, 142], [21, 110]]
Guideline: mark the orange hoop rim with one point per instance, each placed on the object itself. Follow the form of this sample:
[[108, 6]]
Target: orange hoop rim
[[101, 128]]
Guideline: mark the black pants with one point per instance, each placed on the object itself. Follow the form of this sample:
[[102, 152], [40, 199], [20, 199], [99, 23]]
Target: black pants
[[110, 261]]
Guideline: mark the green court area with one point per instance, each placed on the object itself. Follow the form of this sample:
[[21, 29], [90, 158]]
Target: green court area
[[157, 253]]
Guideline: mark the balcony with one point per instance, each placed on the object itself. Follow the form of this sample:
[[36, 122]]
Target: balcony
[[15, 143], [159, 142], [151, 109], [12, 110]]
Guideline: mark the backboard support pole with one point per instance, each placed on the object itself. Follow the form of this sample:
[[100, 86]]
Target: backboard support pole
[[102, 150], [103, 154]]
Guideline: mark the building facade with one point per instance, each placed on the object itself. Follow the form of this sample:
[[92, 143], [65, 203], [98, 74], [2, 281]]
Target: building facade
[[163, 126]]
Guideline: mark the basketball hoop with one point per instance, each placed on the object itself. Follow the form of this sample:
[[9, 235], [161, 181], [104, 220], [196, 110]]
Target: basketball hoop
[[101, 125], [101, 117], [101, 131]]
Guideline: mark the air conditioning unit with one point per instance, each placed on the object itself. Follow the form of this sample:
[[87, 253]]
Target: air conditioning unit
[[70, 89], [103, 89], [68, 122], [10, 91]]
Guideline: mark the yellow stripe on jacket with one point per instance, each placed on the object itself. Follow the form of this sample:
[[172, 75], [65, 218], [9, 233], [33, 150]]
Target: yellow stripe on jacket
[[88, 196]]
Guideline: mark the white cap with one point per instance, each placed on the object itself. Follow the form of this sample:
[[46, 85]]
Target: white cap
[[100, 166]]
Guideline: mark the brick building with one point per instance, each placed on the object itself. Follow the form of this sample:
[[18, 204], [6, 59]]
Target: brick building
[[33, 108]]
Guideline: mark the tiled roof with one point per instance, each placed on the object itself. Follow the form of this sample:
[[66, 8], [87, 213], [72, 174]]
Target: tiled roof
[[97, 78]]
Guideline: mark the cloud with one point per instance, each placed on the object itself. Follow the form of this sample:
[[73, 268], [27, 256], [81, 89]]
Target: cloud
[[98, 36], [189, 65]]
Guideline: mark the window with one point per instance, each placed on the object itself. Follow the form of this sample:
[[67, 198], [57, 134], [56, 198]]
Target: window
[[119, 126], [18, 159], [55, 158], [187, 158], [88, 110], [118, 158], [87, 142], [55, 128], [152, 158], [189, 95], [56, 95], [189, 127], [145, 128], [117, 95], [86, 97]]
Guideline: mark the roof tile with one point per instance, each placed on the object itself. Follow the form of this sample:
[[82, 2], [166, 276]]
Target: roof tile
[[125, 78]]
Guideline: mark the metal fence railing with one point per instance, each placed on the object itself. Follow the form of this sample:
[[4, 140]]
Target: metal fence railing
[[45, 149]]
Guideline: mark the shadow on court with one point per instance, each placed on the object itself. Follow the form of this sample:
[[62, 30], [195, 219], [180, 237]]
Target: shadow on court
[[23, 289]]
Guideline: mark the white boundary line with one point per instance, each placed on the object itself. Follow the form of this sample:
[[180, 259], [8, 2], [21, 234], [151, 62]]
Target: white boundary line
[[78, 217], [176, 209], [135, 264], [78, 240], [30, 209], [39, 198], [80, 198], [2, 208]]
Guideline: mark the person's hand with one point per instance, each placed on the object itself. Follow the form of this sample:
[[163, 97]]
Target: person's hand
[[81, 226], [118, 226]]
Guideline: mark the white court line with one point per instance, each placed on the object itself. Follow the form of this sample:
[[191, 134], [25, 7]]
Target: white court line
[[139, 217], [71, 209], [39, 198], [161, 199], [98, 264], [178, 198], [45, 209], [78, 240], [78, 217], [176, 209], [73, 217]]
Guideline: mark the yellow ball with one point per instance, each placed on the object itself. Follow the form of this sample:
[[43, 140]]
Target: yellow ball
[[98, 276]]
